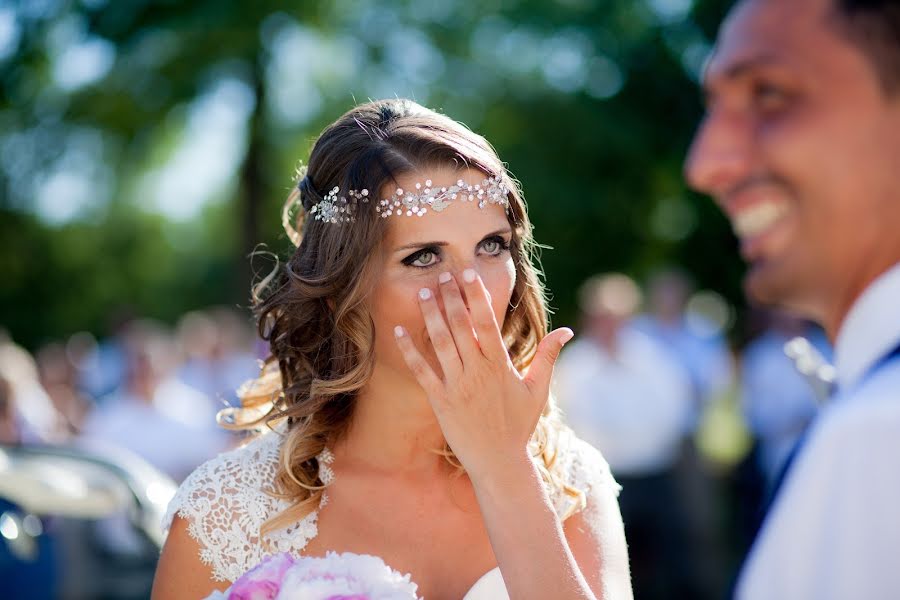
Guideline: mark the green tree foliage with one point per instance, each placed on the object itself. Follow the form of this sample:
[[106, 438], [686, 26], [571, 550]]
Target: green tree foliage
[[110, 200]]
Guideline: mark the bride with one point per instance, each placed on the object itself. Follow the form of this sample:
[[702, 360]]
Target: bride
[[405, 408]]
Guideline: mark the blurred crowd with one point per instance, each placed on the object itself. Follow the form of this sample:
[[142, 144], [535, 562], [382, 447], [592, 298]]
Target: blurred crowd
[[646, 381], [148, 389], [650, 365], [146, 396]]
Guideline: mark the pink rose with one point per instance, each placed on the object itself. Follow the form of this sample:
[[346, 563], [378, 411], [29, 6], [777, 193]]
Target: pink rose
[[334, 576], [263, 581], [345, 576]]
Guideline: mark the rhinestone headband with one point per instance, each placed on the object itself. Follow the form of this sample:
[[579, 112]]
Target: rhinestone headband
[[338, 209], [334, 208], [491, 190]]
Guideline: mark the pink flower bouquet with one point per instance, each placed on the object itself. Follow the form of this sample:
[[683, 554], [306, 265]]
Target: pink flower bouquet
[[344, 576]]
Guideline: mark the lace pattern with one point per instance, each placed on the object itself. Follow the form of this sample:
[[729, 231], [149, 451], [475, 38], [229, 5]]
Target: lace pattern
[[225, 503], [582, 467]]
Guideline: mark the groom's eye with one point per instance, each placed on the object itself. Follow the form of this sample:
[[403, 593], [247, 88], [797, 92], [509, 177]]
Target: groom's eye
[[771, 94]]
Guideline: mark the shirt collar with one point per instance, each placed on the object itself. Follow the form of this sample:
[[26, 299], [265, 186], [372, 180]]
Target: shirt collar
[[871, 329]]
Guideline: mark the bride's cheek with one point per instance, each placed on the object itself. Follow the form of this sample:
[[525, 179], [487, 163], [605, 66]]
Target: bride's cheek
[[395, 304], [500, 283]]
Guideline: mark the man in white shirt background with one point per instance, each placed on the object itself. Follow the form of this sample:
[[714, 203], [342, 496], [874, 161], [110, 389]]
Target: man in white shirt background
[[622, 391], [800, 147]]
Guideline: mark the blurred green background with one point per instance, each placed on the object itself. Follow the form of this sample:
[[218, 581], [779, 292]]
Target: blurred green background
[[146, 146]]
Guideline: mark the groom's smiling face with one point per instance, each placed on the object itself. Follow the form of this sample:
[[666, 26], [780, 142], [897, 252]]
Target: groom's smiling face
[[800, 147]]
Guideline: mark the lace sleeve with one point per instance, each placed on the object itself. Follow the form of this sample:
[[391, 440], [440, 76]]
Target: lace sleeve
[[225, 504], [582, 467]]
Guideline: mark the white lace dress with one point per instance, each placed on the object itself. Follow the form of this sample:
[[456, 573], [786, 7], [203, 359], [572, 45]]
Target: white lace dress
[[224, 504]]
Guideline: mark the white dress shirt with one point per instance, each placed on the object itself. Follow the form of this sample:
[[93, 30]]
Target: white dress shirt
[[834, 530]]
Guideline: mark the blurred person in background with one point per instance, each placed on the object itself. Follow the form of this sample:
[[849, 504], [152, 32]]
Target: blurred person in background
[[800, 147], [217, 346], [693, 341], [778, 405], [698, 344], [36, 417], [101, 364], [623, 391], [9, 424], [59, 378], [777, 401], [153, 414]]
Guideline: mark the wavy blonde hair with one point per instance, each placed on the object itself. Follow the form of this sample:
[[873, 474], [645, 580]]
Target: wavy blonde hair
[[314, 310]]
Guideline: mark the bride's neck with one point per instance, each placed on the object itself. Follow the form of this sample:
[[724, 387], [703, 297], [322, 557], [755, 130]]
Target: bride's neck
[[393, 427]]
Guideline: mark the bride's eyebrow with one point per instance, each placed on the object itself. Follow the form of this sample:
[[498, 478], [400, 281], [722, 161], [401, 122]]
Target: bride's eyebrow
[[416, 245]]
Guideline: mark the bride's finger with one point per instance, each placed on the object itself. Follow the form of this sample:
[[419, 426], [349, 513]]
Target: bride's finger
[[458, 318], [440, 335], [420, 368], [483, 319]]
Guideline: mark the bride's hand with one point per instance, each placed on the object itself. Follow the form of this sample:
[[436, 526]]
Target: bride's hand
[[487, 410]]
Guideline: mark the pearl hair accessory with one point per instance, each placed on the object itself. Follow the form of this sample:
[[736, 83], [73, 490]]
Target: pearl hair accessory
[[335, 208], [338, 209], [491, 190]]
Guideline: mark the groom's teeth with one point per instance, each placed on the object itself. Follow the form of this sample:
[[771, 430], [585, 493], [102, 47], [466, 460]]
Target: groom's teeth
[[756, 219]]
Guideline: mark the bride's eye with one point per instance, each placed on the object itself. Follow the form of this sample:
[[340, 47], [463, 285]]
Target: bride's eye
[[422, 259], [494, 246]]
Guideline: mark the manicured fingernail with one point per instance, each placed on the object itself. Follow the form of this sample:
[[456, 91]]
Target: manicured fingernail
[[424, 293], [445, 277], [398, 331], [469, 275], [568, 335]]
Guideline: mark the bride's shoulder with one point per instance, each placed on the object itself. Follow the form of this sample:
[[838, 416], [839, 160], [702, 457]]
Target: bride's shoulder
[[225, 502], [582, 471], [240, 472]]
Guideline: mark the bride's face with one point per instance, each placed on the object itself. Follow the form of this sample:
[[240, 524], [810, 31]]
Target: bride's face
[[418, 249]]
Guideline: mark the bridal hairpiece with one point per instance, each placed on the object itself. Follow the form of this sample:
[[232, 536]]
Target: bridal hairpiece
[[491, 190], [338, 209], [335, 208]]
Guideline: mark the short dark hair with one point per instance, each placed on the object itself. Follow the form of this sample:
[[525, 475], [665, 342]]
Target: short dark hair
[[874, 25]]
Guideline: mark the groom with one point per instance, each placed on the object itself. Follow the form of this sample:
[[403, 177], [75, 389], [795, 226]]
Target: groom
[[800, 147]]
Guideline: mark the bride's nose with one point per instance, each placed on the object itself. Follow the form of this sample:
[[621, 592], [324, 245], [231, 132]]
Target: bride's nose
[[457, 275]]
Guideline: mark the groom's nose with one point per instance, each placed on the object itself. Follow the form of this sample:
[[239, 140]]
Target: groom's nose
[[721, 153]]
